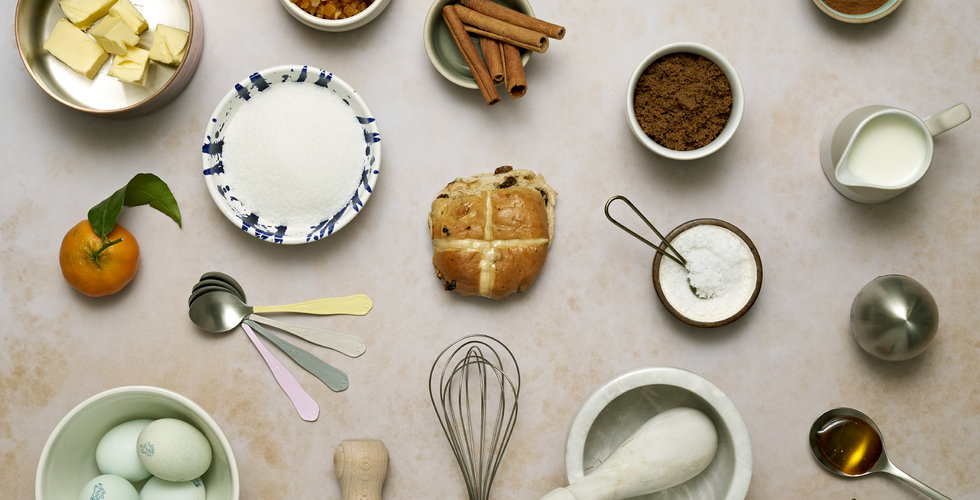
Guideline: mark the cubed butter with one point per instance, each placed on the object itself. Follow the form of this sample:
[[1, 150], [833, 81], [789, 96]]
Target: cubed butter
[[168, 45], [76, 49], [132, 66], [83, 13], [114, 35], [125, 10]]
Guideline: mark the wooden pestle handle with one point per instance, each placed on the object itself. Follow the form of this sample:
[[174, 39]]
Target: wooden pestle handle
[[361, 466]]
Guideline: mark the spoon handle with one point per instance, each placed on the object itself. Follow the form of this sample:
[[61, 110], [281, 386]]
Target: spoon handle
[[344, 343], [302, 401], [357, 305], [913, 482], [333, 378]]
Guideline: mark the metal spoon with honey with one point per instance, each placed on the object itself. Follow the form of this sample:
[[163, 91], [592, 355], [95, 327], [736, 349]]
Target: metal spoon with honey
[[848, 443]]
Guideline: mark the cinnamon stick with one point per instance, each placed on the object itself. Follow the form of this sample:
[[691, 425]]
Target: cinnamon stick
[[514, 78], [515, 17], [470, 55], [491, 27], [494, 57]]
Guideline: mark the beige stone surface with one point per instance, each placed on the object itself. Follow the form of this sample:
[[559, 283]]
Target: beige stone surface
[[591, 315]]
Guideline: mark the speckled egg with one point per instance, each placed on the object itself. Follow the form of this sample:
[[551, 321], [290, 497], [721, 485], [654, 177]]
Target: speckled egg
[[161, 489], [116, 451], [174, 450], [108, 487]]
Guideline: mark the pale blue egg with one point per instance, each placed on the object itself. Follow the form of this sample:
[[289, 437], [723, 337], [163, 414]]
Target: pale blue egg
[[161, 489], [116, 451], [174, 450], [108, 487]]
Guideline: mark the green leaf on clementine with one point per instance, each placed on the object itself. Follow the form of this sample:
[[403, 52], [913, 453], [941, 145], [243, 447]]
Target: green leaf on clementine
[[142, 189], [103, 216], [146, 189]]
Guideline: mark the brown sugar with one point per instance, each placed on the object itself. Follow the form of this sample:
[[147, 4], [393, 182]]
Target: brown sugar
[[682, 101], [854, 7]]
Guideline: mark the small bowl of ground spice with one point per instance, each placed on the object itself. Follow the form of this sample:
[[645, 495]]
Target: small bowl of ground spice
[[857, 11], [334, 15], [684, 101]]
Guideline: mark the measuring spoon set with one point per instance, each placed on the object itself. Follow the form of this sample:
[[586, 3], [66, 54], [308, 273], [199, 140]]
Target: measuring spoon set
[[217, 304]]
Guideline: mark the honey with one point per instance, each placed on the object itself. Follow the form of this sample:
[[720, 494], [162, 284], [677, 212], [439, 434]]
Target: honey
[[849, 444]]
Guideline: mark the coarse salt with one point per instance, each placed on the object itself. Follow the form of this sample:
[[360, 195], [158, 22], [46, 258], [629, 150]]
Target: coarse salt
[[294, 154], [720, 276]]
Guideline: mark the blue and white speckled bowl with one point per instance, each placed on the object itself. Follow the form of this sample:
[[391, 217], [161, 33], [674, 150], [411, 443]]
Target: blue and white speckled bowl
[[219, 176]]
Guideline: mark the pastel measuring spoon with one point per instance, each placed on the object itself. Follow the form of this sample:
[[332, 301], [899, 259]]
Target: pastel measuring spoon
[[333, 378], [356, 305], [305, 405]]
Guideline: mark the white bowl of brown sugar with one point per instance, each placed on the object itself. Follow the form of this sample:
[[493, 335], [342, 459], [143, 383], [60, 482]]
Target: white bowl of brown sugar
[[684, 101]]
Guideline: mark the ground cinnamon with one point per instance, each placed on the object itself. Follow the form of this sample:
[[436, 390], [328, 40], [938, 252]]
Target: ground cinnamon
[[854, 7], [682, 101]]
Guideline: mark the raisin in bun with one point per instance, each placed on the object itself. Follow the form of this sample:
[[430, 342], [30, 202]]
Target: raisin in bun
[[491, 232]]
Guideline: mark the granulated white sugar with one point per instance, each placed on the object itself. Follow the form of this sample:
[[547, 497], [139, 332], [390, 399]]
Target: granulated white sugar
[[293, 154], [720, 276]]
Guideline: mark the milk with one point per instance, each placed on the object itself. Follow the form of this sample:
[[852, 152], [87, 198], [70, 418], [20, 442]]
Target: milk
[[890, 150]]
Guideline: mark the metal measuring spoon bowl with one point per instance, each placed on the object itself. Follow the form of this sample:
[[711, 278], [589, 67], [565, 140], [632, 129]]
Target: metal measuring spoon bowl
[[202, 288], [216, 310], [848, 443], [226, 279], [894, 317]]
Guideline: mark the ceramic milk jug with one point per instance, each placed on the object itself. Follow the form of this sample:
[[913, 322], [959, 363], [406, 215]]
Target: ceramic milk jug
[[871, 154]]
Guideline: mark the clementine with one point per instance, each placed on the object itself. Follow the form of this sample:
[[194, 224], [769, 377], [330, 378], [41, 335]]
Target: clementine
[[96, 267]]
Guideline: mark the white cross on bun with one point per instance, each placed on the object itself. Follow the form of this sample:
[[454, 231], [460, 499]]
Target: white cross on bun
[[491, 232]]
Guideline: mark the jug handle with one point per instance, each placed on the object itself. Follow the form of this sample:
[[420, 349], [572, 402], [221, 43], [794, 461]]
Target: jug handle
[[946, 119]]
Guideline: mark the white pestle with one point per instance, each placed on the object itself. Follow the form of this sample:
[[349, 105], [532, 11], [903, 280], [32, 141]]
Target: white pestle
[[665, 451]]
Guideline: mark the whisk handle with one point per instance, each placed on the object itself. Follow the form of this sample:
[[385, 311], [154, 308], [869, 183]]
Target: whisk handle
[[361, 466]]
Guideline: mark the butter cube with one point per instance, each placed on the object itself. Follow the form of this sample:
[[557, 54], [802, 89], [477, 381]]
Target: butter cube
[[125, 10], [83, 13], [132, 66], [76, 49], [114, 35], [168, 45]]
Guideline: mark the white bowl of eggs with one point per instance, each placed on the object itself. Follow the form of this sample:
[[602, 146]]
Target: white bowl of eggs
[[137, 443]]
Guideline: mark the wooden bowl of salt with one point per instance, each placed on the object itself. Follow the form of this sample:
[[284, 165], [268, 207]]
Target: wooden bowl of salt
[[721, 279]]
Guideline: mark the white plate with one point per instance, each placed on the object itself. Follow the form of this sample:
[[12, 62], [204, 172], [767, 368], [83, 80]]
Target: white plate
[[227, 184]]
